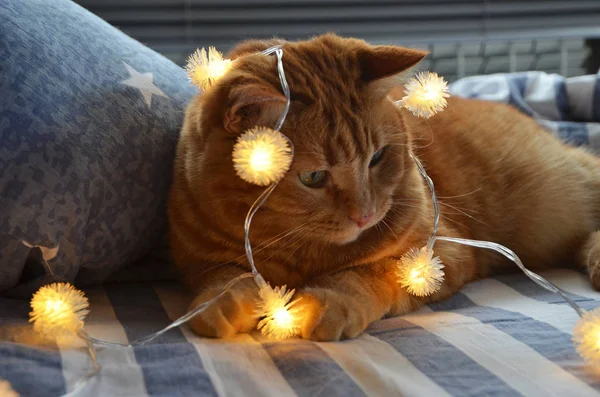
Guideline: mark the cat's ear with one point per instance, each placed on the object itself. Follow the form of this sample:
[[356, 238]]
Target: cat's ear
[[251, 104], [384, 67]]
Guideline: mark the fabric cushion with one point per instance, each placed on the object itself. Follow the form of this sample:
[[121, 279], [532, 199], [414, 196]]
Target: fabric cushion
[[89, 120]]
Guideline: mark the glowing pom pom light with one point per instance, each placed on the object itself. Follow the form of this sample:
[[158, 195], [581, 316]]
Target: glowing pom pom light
[[420, 273], [58, 309], [204, 68], [280, 316], [262, 156], [6, 389], [586, 337], [426, 94]]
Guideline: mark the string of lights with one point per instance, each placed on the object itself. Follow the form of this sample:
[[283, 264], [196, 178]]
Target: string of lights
[[262, 156]]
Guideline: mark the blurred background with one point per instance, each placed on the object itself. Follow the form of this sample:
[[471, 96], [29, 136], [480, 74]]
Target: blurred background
[[465, 37]]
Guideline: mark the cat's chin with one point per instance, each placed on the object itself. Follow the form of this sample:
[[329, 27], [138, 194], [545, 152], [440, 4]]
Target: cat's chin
[[345, 240], [347, 237]]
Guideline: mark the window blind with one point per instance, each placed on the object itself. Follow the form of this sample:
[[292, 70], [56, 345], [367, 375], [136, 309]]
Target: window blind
[[176, 28]]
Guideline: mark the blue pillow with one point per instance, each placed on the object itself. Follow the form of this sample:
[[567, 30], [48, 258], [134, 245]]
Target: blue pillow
[[89, 120]]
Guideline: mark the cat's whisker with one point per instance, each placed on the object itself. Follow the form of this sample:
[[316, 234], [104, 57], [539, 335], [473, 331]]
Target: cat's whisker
[[395, 210], [399, 210], [297, 239], [399, 145], [402, 201], [378, 228], [300, 240], [460, 195], [465, 214], [282, 234], [227, 198], [194, 277], [306, 152], [445, 217], [389, 227], [456, 222], [279, 237], [461, 210], [407, 199], [259, 248], [430, 130], [406, 205]]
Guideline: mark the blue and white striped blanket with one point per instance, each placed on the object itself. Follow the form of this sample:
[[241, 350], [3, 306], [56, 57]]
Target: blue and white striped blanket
[[498, 337], [568, 107]]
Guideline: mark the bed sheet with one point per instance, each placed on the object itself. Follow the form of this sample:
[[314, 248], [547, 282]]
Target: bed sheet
[[503, 336]]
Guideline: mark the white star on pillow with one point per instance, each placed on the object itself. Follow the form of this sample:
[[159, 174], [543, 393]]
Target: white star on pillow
[[144, 83]]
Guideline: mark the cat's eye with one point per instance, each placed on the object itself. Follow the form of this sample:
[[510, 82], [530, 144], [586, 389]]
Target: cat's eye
[[313, 179], [376, 157]]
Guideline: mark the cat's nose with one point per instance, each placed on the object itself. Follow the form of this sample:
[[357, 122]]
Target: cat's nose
[[363, 219]]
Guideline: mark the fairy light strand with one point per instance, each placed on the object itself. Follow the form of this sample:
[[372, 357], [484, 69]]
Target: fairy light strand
[[418, 270], [434, 200], [271, 312], [61, 307], [280, 315], [180, 321], [586, 333], [265, 195]]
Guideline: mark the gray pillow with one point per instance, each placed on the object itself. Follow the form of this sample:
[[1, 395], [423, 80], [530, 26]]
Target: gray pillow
[[89, 120]]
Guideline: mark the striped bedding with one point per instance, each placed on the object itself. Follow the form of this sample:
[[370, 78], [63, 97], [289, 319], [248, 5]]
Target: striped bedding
[[569, 108], [497, 337]]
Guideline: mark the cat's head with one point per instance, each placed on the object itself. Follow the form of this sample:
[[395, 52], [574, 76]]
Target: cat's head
[[351, 147]]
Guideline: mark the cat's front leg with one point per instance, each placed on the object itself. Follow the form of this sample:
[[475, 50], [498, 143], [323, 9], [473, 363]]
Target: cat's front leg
[[342, 305], [232, 313]]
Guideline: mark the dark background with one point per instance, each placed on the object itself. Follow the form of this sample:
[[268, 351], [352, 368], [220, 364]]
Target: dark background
[[465, 37]]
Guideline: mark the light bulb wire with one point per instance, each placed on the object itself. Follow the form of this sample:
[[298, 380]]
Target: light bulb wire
[[91, 341], [258, 203], [84, 381], [260, 281], [434, 200], [247, 223], [506, 252], [180, 321], [511, 255]]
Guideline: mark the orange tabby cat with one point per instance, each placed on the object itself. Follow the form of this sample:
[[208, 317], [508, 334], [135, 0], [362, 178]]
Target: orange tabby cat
[[354, 201]]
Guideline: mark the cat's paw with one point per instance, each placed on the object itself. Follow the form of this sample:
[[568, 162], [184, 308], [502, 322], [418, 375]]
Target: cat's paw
[[329, 315], [231, 314]]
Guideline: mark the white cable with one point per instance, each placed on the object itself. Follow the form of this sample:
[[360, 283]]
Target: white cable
[[506, 252], [260, 281], [248, 247]]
